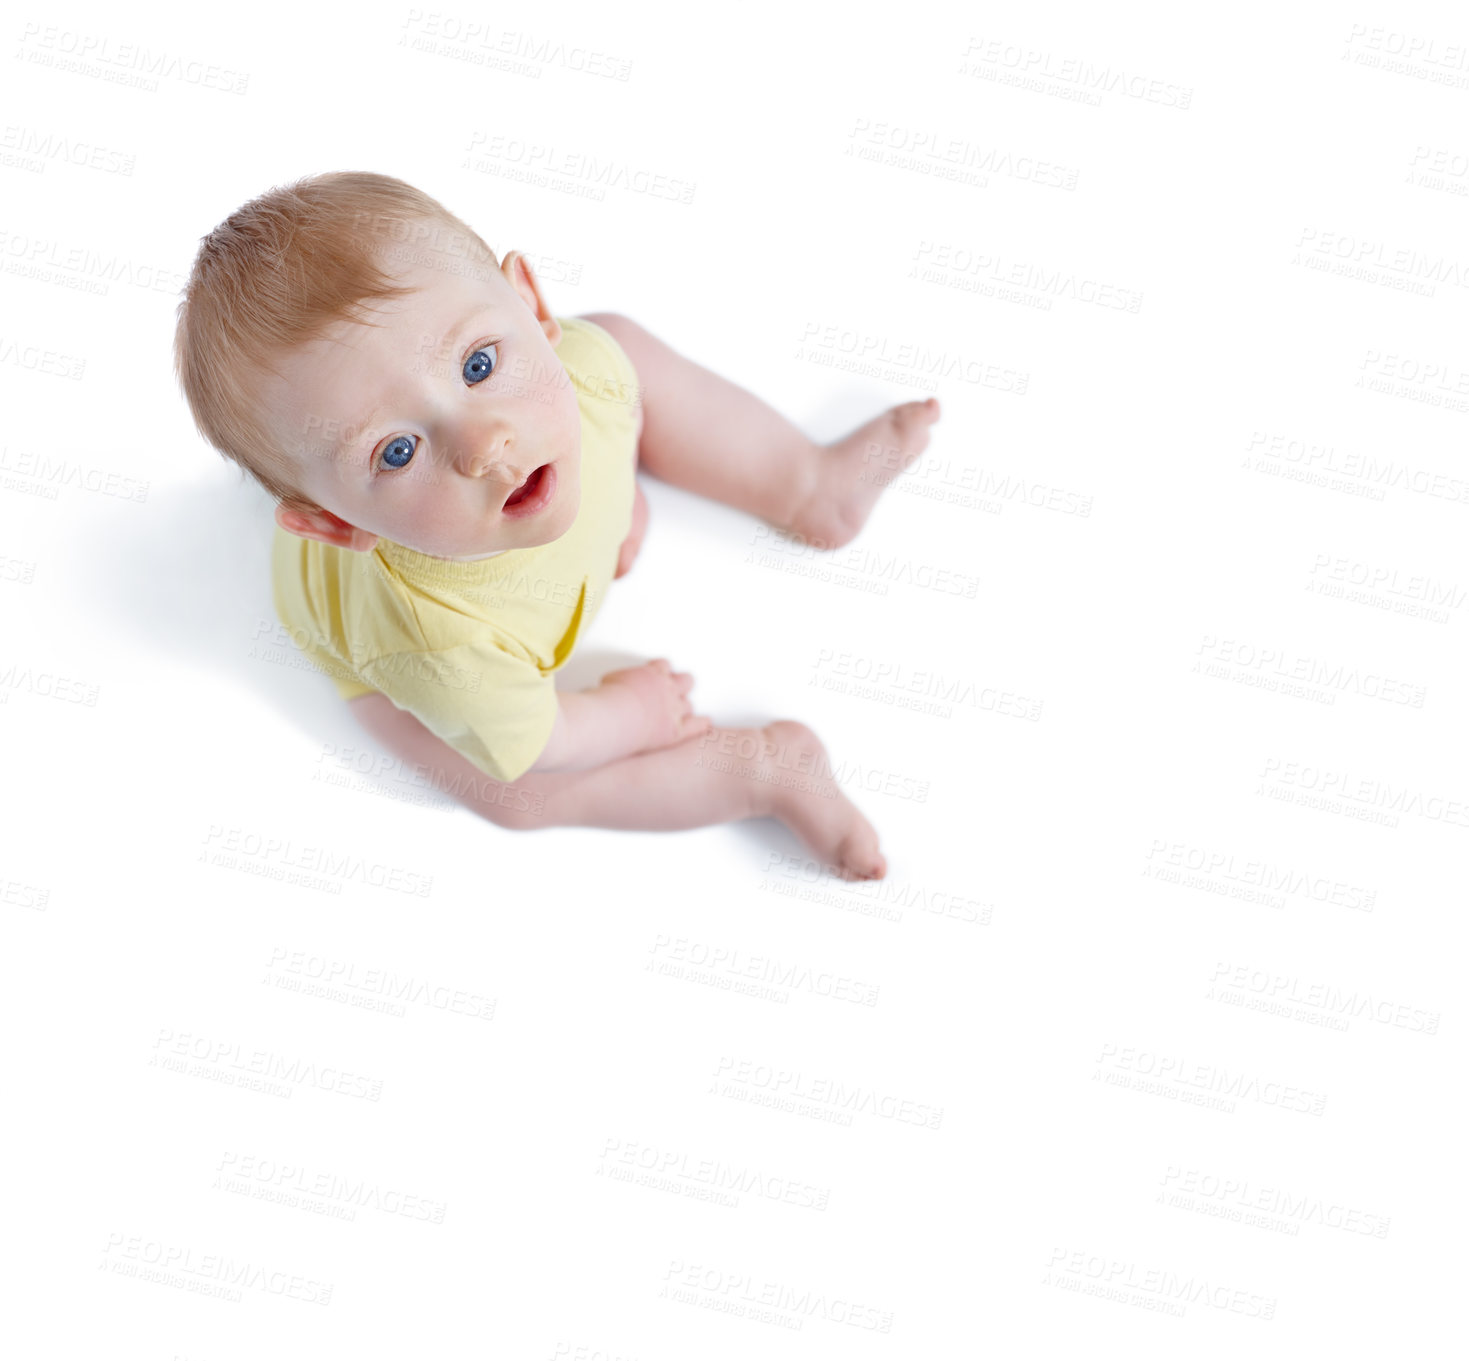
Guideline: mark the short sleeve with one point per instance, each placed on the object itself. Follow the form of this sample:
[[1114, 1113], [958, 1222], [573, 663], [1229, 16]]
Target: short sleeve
[[495, 708], [604, 374], [349, 684], [349, 688]]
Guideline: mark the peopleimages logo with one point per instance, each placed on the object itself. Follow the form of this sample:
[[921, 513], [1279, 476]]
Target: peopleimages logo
[[1168, 858], [1364, 791], [1190, 1188], [1128, 1283], [1146, 1070], [281, 855], [788, 1087], [1285, 994], [205, 1273]]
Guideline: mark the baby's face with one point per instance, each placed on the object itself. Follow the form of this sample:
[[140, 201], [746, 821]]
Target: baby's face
[[452, 428]]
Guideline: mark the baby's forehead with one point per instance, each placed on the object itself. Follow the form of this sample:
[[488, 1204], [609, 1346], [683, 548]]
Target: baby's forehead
[[423, 318], [381, 336], [389, 328], [311, 390]]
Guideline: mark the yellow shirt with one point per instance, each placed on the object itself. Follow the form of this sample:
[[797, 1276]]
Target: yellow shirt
[[469, 647]]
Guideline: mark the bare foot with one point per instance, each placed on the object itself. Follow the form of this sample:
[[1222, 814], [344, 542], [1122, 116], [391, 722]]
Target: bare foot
[[634, 541], [804, 796], [853, 472]]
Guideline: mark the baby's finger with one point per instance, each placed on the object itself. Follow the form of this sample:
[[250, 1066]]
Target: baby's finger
[[662, 664], [683, 681], [694, 725]]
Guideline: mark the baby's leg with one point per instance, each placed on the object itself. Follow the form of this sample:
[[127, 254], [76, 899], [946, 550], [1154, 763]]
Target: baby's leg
[[726, 775], [703, 433], [780, 771]]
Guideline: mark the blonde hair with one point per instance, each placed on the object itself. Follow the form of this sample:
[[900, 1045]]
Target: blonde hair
[[280, 271]]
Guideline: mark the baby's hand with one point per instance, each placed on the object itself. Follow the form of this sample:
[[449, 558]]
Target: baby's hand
[[663, 699]]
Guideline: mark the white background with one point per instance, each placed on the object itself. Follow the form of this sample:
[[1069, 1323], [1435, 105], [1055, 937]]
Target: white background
[[1155, 1048]]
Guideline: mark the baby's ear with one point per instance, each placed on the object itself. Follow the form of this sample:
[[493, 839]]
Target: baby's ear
[[516, 269], [312, 522]]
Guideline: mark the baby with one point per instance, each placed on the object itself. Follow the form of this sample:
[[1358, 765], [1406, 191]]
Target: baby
[[454, 471]]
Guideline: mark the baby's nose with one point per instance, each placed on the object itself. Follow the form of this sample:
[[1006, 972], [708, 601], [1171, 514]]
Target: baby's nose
[[489, 456]]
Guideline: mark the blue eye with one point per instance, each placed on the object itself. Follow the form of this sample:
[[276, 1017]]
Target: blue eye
[[400, 450], [480, 364]]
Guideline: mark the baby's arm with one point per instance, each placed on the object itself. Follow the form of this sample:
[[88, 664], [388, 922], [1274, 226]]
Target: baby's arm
[[632, 710]]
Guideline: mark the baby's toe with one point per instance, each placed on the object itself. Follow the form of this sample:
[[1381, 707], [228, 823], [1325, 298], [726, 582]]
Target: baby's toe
[[859, 857], [918, 413]]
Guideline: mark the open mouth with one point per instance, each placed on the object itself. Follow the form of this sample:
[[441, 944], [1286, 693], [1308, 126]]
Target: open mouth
[[533, 494]]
